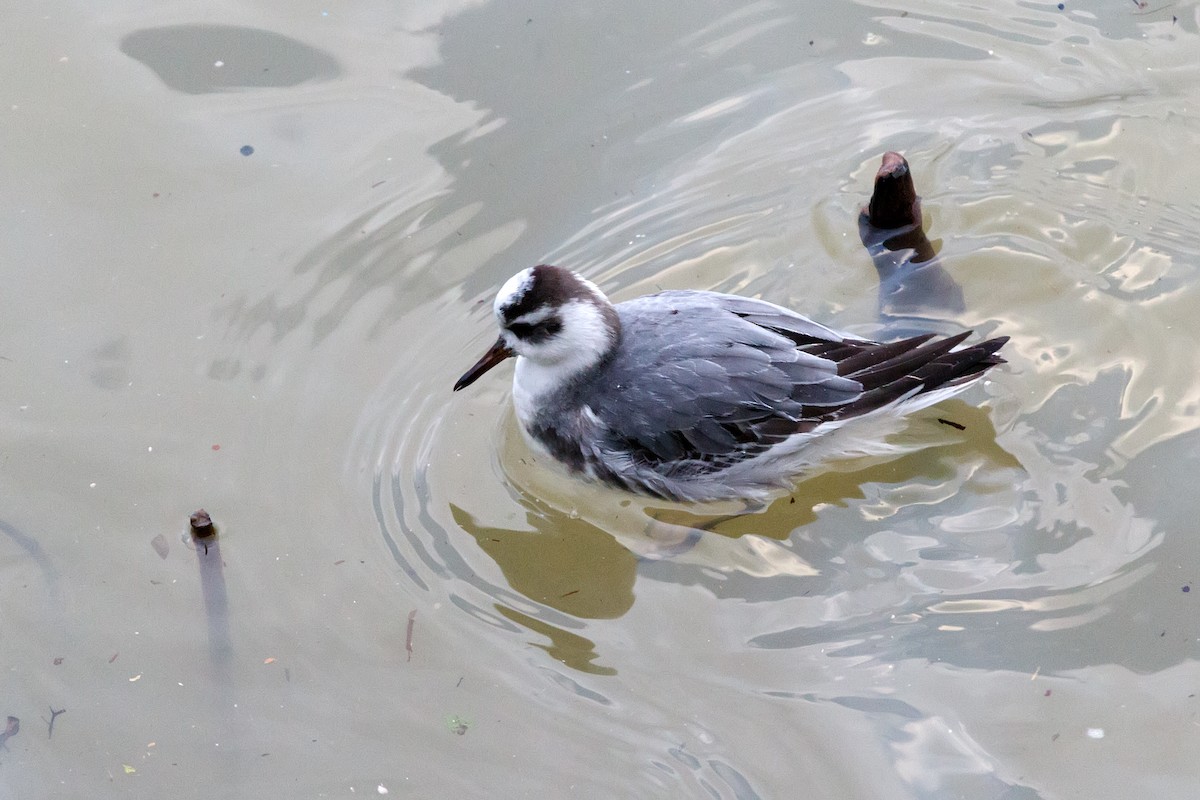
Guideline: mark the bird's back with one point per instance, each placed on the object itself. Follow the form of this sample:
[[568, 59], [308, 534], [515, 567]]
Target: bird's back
[[701, 385]]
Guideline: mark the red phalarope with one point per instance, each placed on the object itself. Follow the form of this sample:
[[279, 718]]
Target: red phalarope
[[695, 396]]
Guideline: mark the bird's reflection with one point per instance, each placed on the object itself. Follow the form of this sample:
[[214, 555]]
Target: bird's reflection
[[584, 561], [563, 562], [559, 560]]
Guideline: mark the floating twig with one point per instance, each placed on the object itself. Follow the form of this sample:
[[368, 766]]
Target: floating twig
[[412, 619], [53, 716]]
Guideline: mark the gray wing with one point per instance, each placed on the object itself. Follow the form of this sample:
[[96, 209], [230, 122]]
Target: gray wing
[[715, 378]]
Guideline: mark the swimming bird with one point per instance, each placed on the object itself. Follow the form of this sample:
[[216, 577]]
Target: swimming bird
[[696, 395]]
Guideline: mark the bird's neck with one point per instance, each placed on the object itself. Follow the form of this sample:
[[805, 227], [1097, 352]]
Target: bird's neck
[[590, 335]]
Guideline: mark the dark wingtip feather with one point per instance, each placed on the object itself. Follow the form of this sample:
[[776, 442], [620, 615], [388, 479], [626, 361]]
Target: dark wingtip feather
[[890, 371], [991, 346]]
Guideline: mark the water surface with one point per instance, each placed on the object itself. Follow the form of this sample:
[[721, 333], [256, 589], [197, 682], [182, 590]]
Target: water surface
[[1007, 612]]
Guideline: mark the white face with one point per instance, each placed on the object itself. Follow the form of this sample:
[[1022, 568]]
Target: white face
[[575, 333], [567, 327]]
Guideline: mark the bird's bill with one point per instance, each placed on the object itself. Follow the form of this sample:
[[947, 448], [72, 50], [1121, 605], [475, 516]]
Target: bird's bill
[[497, 353]]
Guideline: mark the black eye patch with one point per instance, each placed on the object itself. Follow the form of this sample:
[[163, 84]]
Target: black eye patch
[[538, 331]]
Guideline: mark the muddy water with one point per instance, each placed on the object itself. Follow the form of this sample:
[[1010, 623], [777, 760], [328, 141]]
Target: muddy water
[[248, 250]]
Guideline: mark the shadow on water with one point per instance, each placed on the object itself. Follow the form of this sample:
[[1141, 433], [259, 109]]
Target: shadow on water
[[33, 550], [201, 59]]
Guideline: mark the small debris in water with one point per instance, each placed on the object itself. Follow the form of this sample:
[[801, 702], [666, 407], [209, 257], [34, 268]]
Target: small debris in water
[[957, 426], [159, 543], [457, 725], [50, 722], [1095, 733], [246, 150], [412, 619], [114, 657], [10, 730], [58, 661], [202, 524], [1186, 588]]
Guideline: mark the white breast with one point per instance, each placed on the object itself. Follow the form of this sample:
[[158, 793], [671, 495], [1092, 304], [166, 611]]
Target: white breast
[[532, 382]]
